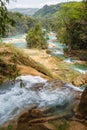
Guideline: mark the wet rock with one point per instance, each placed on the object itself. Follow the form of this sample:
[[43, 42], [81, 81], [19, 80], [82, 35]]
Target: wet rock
[[37, 86], [36, 113], [80, 80], [22, 121], [81, 110], [53, 84], [56, 83], [27, 115], [24, 117]]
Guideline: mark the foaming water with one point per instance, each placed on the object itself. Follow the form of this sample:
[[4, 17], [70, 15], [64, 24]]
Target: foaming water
[[19, 97], [81, 71], [70, 60], [74, 87]]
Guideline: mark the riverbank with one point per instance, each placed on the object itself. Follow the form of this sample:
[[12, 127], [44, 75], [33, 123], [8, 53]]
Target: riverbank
[[40, 63], [34, 118], [40, 105], [61, 69], [78, 55], [14, 62]]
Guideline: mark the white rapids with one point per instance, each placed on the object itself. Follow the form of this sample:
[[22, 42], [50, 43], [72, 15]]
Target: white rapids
[[81, 71], [17, 98]]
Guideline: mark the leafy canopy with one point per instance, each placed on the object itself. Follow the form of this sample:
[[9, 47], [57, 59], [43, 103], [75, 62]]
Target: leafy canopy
[[35, 38], [69, 27], [4, 18]]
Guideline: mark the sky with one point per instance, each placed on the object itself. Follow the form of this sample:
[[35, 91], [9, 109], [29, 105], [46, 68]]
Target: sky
[[33, 3]]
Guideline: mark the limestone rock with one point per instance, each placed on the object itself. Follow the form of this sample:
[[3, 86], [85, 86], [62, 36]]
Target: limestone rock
[[80, 80]]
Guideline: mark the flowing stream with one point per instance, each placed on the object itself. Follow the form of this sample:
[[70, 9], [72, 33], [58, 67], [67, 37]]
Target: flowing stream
[[15, 98], [57, 50]]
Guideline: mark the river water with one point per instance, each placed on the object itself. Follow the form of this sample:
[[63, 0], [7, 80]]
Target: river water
[[14, 98], [55, 47]]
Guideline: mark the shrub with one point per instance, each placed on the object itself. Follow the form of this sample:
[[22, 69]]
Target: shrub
[[35, 38]]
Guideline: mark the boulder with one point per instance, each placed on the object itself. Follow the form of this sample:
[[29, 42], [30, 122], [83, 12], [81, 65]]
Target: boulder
[[82, 107]]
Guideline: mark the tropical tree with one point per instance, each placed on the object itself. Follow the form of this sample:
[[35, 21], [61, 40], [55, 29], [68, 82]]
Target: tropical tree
[[4, 18], [22, 24], [35, 38], [69, 25]]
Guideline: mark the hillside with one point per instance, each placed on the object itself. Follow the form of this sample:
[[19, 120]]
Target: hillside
[[15, 62], [22, 24], [48, 11], [25, 11]]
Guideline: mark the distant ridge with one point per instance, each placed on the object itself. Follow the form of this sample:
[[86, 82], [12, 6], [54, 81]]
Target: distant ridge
[[25, 11], [48, 10]]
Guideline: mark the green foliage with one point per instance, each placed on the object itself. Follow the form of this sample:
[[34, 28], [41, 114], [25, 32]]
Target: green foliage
[[35, 38], [70, 25], [47, 11], [11, 56], [4, 18], [9, 70], [22, 84], [22, 24], [47, 15], [48, 23]]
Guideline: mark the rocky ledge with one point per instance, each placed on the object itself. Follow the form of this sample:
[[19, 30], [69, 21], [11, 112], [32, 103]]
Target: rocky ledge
[[81, 111]]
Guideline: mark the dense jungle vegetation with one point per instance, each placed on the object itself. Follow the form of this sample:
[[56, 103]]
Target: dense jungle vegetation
[[68, 20], [22, 24], [36, 38]]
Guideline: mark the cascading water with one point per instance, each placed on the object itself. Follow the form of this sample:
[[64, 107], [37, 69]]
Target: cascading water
[[15, 98], [55, 47], [18, 40], [24, 93]]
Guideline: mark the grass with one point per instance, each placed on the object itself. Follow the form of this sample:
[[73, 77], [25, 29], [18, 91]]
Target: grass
[[11, 56], [67, 73], [24, 59]]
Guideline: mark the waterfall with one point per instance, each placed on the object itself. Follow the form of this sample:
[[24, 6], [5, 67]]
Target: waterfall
[[34, 90]]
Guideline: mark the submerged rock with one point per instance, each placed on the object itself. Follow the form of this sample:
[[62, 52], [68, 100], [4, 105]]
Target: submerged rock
[[37, 86], [58, 83]]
